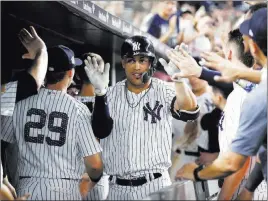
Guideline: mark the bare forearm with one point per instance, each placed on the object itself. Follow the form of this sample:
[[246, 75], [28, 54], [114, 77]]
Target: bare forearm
[[39, 67], [5, 193], [232, 182], [250, 75], [189, 38], [185, 99], [94, 167], [215, 171], [87, 90], [164, 38], [223, 166]]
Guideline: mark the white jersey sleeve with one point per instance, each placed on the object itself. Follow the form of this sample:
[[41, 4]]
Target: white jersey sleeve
[[8, 98], [7, 132], [85, 99], [170, 94], [86, 141], [230, 120]]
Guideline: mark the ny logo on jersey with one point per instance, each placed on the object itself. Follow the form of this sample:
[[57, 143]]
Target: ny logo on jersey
[[155, 113], [209, 105], [136, 46]]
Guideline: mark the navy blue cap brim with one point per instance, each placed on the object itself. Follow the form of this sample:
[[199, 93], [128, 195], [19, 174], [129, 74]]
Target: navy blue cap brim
[[78, 62], [244, 28]]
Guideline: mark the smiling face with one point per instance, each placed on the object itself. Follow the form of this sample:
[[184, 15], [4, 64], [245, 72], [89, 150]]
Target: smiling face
[[135, 67]]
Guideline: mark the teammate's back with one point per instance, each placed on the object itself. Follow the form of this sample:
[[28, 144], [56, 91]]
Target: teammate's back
[[50, 124], [54, 135]]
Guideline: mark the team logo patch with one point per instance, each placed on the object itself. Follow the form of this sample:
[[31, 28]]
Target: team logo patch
[[136, 46], [155, 113], [72, 60]]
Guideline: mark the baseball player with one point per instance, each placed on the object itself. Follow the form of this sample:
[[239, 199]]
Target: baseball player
[[54, 136], [27, 84], [136, 154]]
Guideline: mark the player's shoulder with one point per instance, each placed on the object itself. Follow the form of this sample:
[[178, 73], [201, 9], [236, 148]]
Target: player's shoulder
[[78, 104], [10, 86], [163, 85], [118, 86]]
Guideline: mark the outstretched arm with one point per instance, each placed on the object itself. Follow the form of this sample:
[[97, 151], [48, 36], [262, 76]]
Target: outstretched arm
[[37, 52], [98, 74]]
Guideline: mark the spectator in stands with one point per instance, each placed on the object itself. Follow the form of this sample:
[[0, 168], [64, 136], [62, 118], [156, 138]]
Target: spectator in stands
[[164, 25]]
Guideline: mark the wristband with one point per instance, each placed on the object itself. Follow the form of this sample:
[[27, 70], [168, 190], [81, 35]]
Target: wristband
[[178, 80], [196, 170], [97, 179], [101, 92]]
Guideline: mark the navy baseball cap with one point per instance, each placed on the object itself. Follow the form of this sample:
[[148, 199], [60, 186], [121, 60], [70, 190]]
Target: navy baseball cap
[[61, 59], [256, 26]]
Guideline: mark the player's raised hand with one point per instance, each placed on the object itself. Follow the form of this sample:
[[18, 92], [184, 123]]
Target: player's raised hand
[[80, 71], [98, 62], [212, 60], [32, 42], [229, 70], [170, 67], [98, 78], [187, 171], [185, 62]]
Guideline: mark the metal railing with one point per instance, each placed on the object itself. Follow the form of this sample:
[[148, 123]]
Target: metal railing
[[185, 190]]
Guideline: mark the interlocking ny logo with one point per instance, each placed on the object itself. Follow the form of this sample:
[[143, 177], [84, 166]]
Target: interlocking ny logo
[[136, 46], [155, 113]]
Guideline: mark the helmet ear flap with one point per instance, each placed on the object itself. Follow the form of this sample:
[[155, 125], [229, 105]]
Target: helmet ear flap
[[153, 63]]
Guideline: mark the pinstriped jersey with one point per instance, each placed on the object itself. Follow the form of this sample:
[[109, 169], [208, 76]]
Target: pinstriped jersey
[[206, 106], [140, 141], [53, 133], [8, 98]]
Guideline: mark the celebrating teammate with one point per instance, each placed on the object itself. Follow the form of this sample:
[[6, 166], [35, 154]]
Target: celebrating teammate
[[136, 154], [30, 81], [54, 134], [27, 85], [251, 135]]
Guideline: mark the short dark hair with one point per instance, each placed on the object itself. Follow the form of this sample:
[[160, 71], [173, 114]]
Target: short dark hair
[[236, 37], [54, 77], [256, 7]]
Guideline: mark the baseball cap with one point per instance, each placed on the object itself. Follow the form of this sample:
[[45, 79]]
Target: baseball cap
[[61, 59], [256, 26]]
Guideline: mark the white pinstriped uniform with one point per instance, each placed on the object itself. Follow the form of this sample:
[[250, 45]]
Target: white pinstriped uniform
[[140, 143], [101, 189], [227, 130], [178, 160], [53, 133], [8, 98]]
